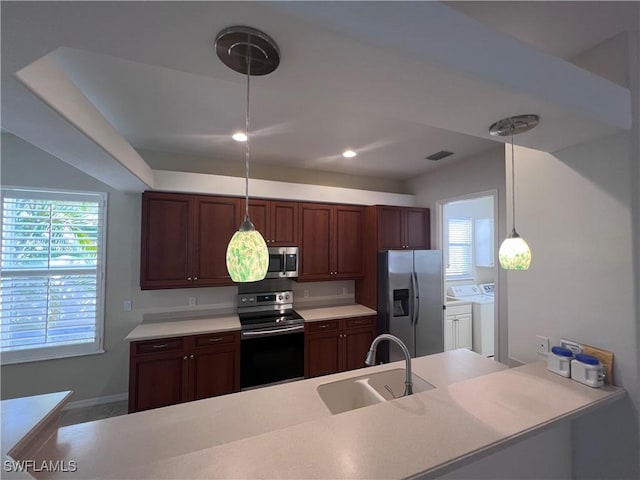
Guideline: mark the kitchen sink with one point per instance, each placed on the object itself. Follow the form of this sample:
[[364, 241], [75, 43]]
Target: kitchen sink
[[365, 390]]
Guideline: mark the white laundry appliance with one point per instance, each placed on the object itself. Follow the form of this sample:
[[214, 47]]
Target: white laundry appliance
[[482, 314]]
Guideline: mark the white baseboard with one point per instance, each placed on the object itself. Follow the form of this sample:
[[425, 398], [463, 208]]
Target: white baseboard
[[90, 402]]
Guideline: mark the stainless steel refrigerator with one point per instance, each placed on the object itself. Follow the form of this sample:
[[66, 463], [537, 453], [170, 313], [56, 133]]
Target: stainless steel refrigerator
[[411, 302]]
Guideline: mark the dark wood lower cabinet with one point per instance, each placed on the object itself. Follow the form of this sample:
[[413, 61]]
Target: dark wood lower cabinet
[[337, 345], [173, 370]]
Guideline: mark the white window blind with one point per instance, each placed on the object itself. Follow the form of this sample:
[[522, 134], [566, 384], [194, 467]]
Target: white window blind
[[52, 287], [459, 241]]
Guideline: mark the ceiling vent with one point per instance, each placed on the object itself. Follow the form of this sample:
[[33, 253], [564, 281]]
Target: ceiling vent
[[439, 155]]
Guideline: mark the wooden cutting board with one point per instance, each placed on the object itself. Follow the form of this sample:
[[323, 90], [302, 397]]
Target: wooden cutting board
[[605, 357]]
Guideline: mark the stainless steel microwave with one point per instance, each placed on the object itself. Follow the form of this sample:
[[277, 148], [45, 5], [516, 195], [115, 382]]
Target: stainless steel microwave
[[283, 262]]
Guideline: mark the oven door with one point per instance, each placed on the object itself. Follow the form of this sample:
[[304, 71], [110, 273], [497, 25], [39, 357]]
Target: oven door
[[271, 355]]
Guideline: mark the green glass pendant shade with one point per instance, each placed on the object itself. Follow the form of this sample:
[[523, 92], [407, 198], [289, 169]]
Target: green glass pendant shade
[[247, 255], [514, 253]]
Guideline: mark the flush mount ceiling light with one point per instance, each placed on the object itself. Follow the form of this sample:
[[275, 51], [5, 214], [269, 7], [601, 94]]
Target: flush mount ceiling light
[[349, 154], [250, 52], [239, 137], [514, 253]]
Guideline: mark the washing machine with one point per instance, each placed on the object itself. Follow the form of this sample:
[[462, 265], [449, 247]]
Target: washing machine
[[482, 315]]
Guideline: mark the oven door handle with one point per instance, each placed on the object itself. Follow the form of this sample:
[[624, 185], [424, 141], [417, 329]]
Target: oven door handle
[[268, 333]]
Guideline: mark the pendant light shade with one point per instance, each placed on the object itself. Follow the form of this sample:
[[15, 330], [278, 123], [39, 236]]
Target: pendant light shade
[[514, 253], [248, 51], [247, 254]]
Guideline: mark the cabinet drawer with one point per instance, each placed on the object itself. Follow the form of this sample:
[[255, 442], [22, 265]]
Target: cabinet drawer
[[458, 310], [359, 322], [212, 339], [324, 326], [159, 346]]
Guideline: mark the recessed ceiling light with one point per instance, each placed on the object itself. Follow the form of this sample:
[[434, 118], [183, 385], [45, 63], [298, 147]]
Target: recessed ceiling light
[[239, 137], [349, 154]]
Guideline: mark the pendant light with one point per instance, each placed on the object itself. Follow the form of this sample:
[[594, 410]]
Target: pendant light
[[251, 52], [514, 253]]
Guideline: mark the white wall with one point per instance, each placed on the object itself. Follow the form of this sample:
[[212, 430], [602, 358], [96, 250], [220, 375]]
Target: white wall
[[474, 175], [574, 208]]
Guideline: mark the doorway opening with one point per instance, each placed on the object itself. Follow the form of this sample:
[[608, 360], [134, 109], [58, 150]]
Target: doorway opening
[[467, 235]]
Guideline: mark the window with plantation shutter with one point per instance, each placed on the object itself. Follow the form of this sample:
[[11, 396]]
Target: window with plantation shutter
[[52, 282], [459, 261]]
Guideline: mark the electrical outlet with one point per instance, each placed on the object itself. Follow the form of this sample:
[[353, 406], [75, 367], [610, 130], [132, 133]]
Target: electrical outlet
[[344, 291], [126, 306], [192, 301], [305, 293], [542, 344], [575, 347]]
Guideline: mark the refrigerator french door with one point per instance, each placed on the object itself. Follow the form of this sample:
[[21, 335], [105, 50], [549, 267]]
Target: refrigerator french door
[[410, 302]]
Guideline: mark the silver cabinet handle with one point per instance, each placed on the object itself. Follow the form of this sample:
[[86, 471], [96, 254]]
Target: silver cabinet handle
[[195, 278], [189, 278], [326, 325], [217, 339], [184, 358], [161, 345], [191, 357]]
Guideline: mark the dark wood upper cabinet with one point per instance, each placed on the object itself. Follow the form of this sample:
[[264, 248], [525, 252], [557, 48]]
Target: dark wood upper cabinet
[[315, 242], [184, 239], [215, 223], [417, 228], [276, 220], [167, 240], [391, 228], [402, 227], [330, 241]]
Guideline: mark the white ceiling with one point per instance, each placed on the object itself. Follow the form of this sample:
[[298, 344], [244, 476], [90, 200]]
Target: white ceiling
[[150, 70]]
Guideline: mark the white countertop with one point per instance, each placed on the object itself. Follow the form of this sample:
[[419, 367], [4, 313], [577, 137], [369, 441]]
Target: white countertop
[[330, 313], [477, 405], [207, 323], [178, 328]]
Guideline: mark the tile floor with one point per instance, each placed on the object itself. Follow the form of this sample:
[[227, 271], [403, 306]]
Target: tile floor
[[94, 412]]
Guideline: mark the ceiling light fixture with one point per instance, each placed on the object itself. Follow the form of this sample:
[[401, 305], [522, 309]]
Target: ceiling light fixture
[[239, 137], [349, 154], [251, 52], [514, 253]]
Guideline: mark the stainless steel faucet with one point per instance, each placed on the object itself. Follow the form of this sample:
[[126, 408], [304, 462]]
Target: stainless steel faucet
[[371, 359]]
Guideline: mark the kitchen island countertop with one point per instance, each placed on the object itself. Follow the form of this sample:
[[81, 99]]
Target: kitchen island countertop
[[478, 406]]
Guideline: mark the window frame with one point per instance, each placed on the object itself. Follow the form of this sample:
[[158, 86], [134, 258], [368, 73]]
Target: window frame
[[469, 273], [65, 350]]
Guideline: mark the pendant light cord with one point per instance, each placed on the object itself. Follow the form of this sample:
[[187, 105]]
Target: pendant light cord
[[246, 125], [513, 184]]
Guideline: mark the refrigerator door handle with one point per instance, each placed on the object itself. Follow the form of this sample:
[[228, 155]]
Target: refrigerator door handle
[[416, 290], [415, 297]]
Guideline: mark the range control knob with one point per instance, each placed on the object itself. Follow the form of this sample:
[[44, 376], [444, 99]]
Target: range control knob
[[243, 299], [280, 297], [287, 296]]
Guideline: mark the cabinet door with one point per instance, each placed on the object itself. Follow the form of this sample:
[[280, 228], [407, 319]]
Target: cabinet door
[[390, 228], [259, 215], [356, 345], [165, 254], [347, 233], [284, 224], [158, 381], [315, 242], [322, 354], [417, 228], [465, 337], [212, 372], [449, 340], [216, 222]]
